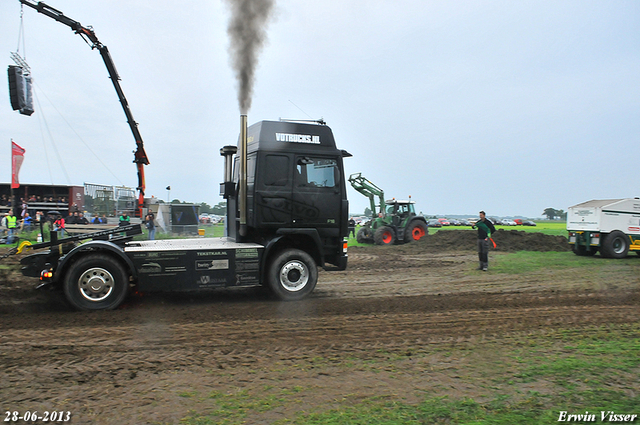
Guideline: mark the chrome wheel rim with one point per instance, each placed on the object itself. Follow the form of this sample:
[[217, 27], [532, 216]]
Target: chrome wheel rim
[[294, 275], [96, 284]]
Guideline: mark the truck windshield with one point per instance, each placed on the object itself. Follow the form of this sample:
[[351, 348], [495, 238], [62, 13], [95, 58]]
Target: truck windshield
[[317, 172]]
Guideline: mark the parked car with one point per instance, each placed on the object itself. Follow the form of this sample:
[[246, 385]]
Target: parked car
[[528, 223], [434, 223], [508, 223], [454, 222], [444, 221], [518, 221], [361, 220], [464, 222]]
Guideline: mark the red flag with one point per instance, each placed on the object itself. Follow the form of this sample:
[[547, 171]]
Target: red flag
[[17, 155]]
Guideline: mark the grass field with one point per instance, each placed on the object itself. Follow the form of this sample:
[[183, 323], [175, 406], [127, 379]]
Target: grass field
[[556, 228]]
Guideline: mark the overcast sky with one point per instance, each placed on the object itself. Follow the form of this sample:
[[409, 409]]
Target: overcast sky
[[506, 106]]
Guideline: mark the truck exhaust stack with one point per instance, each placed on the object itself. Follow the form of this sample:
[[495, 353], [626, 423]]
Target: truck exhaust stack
[[242, 189]]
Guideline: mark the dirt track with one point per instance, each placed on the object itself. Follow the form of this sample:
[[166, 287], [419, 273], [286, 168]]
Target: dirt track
[[390, 300]]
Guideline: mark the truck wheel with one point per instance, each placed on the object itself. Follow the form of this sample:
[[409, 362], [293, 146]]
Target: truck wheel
[[615, 245], [96, 282], [365, 235], [415, 231], [384, 236], [293, 275]]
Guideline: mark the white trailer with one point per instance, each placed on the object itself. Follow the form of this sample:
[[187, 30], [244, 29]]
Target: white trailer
[[610, 226]]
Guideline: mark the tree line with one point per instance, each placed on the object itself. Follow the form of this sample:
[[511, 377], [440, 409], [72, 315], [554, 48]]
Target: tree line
[[553, 214]]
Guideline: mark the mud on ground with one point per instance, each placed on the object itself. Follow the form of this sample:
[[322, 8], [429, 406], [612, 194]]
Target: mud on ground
[[148, 361]]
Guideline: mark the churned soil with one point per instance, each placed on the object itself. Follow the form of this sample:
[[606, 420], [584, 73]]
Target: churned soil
[[162, 358]]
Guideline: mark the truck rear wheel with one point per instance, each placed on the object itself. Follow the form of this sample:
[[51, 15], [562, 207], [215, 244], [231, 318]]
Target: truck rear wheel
[[365, 235], [415, 231], [292, 275], [384, 236], [96, 282], [615, 245]]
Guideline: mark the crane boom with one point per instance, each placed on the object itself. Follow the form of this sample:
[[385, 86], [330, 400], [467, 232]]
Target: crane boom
[[87, 33]]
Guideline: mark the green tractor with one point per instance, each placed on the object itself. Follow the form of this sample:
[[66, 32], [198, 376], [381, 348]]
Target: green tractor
[[392, 221]]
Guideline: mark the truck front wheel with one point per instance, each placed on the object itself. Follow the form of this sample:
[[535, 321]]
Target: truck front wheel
[[615, 245], [293, 275], [96, 282]]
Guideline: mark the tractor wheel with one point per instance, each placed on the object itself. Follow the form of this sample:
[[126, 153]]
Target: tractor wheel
[[293, 275], [365, 235], [614, 245], [384, 236], [415, 231], [96, 282]]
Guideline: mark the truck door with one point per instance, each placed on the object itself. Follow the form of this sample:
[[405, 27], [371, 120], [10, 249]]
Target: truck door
[[317, 193], [273, 191]]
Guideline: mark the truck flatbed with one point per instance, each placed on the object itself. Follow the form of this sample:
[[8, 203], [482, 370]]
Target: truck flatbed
[[182, 244]]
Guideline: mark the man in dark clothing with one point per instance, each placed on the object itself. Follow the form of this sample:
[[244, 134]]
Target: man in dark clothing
[[81, 219], [151, 226], [71, 219], [485, 229], [352, 227]]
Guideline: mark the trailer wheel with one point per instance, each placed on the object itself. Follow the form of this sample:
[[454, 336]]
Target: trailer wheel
[[384, 236], [96, 282], [615, 245], [292, 275], [365, 235], [415, 231]]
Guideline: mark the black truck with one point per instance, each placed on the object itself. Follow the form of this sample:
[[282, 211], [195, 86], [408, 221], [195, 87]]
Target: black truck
[[287, 214]]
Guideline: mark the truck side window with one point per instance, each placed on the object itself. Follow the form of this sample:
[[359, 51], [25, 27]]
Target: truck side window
[[316, 172], [276, 170]]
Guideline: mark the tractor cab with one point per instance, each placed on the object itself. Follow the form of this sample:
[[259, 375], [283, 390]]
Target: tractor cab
[[397, 211], [400, 208]]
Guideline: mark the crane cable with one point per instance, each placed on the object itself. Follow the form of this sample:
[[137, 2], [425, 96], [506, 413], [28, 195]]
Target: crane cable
[[78, 136], [55, 148], [21, 32]]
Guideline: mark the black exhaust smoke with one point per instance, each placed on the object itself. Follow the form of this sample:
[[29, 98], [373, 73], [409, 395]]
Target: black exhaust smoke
[[247, 31]]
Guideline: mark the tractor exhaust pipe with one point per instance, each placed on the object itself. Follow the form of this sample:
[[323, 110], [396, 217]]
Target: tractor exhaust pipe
[[242, 189]]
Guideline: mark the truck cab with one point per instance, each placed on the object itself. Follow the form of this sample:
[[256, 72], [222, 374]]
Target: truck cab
[[296, 191]]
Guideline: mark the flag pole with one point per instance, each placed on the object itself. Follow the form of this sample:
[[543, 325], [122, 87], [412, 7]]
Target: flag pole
[[12, 198]]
